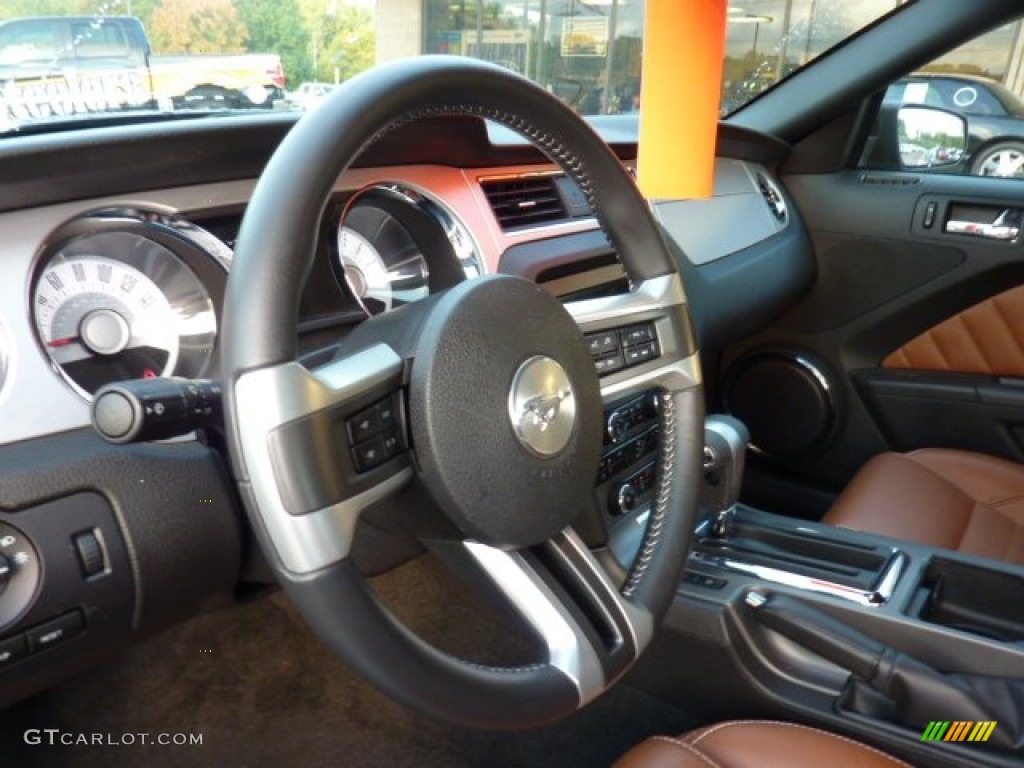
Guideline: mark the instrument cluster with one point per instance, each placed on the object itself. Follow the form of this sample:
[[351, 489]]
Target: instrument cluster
[[122, 294]]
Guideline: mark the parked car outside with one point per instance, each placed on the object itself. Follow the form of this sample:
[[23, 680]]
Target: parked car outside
[[995, 118], [309, 96]]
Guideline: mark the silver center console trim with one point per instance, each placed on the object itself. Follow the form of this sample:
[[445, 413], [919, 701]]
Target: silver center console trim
[[879, 595]]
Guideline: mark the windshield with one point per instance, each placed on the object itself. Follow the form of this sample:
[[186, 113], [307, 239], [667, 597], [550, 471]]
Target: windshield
[[76, 60]]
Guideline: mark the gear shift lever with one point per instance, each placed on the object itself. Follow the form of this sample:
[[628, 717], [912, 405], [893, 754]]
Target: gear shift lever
[[725, 450]]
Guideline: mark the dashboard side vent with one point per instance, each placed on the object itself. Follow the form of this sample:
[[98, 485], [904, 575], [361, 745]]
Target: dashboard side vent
[[772, 196], [526, 201]]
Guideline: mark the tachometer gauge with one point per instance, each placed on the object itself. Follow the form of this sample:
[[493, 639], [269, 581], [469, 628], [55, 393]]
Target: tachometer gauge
[[116, 305], [382, 264]]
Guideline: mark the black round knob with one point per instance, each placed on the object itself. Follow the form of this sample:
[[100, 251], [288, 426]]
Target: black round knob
[[626, 498], [617, 427], [5, 571]]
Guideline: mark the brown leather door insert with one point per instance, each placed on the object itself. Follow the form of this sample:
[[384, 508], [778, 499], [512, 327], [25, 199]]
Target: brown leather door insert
[[987, 338]]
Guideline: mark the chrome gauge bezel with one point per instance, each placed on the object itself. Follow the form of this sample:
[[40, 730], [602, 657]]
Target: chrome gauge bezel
[[388, 260], [449, 251], [465, 246], [199, 259]]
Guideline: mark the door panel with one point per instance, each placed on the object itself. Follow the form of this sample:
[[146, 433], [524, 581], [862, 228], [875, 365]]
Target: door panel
[[987, 338], [919, 331]]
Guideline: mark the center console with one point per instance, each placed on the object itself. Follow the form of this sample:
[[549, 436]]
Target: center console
[[851, 631]]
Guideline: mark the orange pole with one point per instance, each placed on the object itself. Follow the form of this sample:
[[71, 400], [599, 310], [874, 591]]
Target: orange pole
[[684, 45]]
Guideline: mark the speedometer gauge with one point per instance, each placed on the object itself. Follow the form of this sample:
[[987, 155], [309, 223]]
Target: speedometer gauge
[[118, 305], [101, 318]]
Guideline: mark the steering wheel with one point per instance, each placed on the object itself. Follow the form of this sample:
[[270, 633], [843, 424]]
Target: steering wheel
[[491, 403]]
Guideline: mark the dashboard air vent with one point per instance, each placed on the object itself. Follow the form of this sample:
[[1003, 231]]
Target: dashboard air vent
[[772, 196], [527, 201]]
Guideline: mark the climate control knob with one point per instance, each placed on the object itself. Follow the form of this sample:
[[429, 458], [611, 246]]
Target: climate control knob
[[625, 499], [5, 571]]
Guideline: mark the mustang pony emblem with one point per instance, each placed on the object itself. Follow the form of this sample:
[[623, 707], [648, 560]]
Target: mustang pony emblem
[[542, 410]]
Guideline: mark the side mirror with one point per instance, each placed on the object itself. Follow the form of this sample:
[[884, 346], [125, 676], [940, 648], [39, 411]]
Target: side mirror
[[930, 137]]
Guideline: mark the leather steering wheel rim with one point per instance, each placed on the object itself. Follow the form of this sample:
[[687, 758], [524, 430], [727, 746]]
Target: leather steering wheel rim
[[308, 549]]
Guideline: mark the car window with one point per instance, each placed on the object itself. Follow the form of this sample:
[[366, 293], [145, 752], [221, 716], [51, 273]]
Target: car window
[[983, 82], [28, 43], [169, 55], [96, 41]]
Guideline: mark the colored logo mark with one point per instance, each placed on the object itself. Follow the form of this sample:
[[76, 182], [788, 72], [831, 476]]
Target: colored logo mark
[[958, 730]]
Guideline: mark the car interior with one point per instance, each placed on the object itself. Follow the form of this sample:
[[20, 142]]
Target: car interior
[[407, 431]]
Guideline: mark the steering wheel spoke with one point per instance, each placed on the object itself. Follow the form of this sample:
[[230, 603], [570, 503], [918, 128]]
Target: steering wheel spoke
[[563, 597], [321, 446], [641, 339]]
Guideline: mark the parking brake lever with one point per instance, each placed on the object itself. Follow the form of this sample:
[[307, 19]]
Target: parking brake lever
[[818, 632], [916, 690]]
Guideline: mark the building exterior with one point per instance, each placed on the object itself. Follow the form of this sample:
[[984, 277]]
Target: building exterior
[[588, 51]]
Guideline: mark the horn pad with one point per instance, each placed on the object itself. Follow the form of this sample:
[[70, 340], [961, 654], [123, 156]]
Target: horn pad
[[506, 418]]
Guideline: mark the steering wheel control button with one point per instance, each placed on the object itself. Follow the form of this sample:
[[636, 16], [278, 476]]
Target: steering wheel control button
[[619, 348], [603, 343], [372, 421], [611, 364], [641, 353], [637, 334], [376, 451], [542, 406], [54, 632], [90, 554], [23, 573], [374, 436], [12, 649]]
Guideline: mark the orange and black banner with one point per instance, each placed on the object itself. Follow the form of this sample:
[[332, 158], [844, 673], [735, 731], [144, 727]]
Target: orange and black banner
[[958, 730]]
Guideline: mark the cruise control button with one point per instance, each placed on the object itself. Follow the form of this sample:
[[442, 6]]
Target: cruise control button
[[641, 353], [365, 424], [12, 649], [386, 412], [637, 334], [390, 445], [609, 364], [602, 343], [53, 632], [376, 451]]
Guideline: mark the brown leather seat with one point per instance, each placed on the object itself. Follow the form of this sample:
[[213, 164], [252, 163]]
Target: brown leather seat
[[756, 744], [950, 499]]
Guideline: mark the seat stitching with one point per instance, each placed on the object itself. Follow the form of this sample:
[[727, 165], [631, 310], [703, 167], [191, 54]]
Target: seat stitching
[[689, 748], [928, 337], [1009, 325], [955, 486], [1016, 529], [986, 364], [880, 753], [1006, 500], [937, 471]]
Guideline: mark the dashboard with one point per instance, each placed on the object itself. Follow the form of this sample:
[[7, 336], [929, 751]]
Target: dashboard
[[116, 249]]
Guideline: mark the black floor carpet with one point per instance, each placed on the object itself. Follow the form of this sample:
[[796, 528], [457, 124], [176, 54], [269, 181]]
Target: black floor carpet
[[262, 691]]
